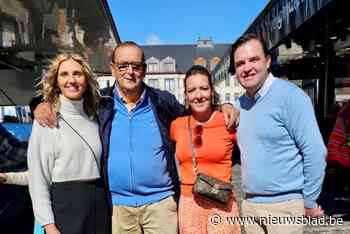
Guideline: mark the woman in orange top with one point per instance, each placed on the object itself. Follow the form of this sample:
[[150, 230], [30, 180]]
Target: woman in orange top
[[213, 146]]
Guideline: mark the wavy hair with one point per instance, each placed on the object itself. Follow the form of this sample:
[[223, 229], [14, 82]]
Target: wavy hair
[[51, 91]]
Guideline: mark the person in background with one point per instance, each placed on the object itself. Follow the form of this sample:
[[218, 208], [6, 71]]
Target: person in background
[[15, 205], [21, 179], [64, 162], [282, 150], [339, 140], [17, 178], [338, 158], [213, 145]]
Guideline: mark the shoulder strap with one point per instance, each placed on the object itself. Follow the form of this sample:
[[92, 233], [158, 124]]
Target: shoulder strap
[[194, 161], [59, 115]]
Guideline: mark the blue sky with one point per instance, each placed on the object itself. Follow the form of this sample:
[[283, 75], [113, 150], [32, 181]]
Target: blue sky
[[183, 21]]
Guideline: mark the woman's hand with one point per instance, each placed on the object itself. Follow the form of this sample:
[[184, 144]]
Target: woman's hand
[[51, 229], [3, 178]]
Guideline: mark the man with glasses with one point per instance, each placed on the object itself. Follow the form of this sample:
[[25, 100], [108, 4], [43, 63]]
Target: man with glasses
[[138, 160], [140, 163]]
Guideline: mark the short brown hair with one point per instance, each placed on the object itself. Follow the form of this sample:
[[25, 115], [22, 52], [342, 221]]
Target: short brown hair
[[242, 40]]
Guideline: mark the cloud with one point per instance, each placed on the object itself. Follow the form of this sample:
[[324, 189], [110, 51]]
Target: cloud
[[153, 39]]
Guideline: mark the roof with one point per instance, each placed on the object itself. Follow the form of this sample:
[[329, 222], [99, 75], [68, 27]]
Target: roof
[[184, 55]]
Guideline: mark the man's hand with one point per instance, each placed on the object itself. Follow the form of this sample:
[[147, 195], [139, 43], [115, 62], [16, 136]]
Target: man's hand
[[3, 178], [51, 229], [314, 212], [44, 115], [231, 115]]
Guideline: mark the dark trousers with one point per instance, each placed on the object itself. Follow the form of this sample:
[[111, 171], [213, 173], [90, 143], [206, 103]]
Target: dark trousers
[[80, 207]]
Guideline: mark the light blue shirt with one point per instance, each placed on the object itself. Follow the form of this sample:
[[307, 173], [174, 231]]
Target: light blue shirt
[[265, 87]]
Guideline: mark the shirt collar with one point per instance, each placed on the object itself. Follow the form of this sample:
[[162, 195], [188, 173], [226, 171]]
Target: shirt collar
[[120, 98], [265, 87]]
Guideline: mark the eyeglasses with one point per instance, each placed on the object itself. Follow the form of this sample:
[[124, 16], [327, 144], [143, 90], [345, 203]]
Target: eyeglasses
[[136, 66], [197, 133]]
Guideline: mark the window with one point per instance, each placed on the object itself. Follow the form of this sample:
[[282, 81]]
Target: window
[[169, 85], [213, 62], [168, 65], [227, 97], [153, 83], [227, 79], [17, 120], [8, 34], [235, 81], [152, 65]]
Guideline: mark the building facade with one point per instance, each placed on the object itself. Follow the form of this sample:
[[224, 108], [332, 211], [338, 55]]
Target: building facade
[[34, 31], [167, 64], [226, 84], [309, 42]]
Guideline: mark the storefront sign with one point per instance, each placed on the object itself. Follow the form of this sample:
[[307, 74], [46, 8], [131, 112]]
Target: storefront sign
[[284, 16]]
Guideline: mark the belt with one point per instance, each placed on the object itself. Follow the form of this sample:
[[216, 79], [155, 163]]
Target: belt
[[252, 195]]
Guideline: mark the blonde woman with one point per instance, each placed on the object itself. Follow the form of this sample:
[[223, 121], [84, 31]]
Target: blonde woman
[[64, 162]]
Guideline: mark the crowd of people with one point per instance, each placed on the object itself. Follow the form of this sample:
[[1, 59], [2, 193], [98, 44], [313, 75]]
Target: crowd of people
[[130, 158]]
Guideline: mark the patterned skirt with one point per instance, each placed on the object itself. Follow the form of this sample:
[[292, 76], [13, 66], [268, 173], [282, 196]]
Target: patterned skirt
[[201, 216]]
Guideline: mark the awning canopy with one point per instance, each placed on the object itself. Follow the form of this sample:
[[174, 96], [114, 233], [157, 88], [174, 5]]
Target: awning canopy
[[34, 31]]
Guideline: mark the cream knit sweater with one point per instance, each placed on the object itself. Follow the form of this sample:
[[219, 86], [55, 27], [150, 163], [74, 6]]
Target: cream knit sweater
[[59, 155]]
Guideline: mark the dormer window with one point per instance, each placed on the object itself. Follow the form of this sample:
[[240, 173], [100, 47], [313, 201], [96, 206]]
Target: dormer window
[[168, 65], [152, 65]]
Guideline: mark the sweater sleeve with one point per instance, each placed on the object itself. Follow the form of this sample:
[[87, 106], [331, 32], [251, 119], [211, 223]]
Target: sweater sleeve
[[303, 128], [40, 164], [17, 178]]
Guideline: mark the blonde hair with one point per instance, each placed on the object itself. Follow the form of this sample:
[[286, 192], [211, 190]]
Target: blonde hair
[[51, 91]]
